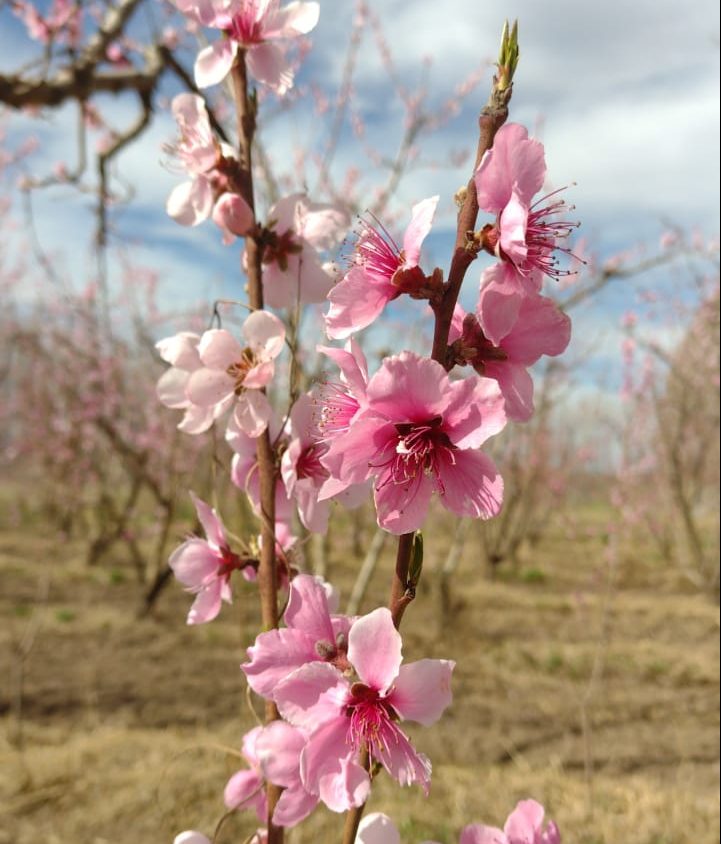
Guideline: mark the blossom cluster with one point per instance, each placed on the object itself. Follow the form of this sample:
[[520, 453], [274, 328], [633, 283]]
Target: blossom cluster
[[410, 432]]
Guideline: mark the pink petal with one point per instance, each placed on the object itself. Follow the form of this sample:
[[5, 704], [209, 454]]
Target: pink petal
[[278, 748], [513, 162], [294, 806], [268, 64], [517, 387], [253, 413], [193, 562], [402, 508], [218, 349], [323, 753], [514, 222], [206, 605], [422, 691], [500, 300], [402, 760], [474, 413], [212, 525], [377, 829], [245, 789], [409, 388], [525, 821], [350, 456], [419, 228], [190, 203], [215, 62], [171, 388], [355, 303], [479, 834], [374, 649], [352, 364], [208, 387], [312, 695], [232, 212], [197, 420], [180, 350], [295, 19], [314, 514], [323, 226], [308, 609], [541, 329], [472, 485], [274, 656], [265, 334]]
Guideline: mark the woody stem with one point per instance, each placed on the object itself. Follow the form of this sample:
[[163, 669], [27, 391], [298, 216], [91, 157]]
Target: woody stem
[[267, 469]]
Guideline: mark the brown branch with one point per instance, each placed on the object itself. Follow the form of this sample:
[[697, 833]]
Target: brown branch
[[245, 104]]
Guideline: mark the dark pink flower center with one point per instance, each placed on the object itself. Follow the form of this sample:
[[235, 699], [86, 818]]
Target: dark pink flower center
[[337, 409], [309, 465], [543, 232], [279, 247], [241, 368], [229, 562], [244, 28], [419, 449], [377, 253], [371, 718]]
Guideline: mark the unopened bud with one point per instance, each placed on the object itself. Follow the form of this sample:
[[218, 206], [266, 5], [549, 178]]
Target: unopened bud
[[416, 567], [508, 56]]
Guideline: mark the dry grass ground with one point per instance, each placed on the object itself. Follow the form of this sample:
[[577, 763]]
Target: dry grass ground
[[594, 688]]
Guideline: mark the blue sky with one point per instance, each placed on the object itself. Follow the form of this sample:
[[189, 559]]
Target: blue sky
[[626, 96]]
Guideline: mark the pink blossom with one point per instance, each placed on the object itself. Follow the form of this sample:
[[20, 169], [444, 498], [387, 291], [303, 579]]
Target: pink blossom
[[344, 716], [524, 826], [279, 747], [342, 400], [181, 351], [311, 634], [204, 566], [230, 370], [299, 230], [525, 236], [380, 272], [201, 156], [508, 177], [250, 25], [418, 434], [244, 470], [541, 328], [246, 788]]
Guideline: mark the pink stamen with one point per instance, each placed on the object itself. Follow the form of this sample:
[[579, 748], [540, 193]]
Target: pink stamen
[[542, 234]]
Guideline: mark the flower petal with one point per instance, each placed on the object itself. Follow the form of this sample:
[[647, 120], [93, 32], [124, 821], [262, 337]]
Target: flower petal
[[422, 691], [215, 62], [375, 649], [419, 228], [377, 829], [267, 63], [308, 608], [274, 656], [356, 302], [312, 695], [472, 485]]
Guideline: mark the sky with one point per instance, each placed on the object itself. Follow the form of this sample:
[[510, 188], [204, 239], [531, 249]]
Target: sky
[[624, 95]]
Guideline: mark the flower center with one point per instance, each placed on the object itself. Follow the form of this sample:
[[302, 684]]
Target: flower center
[[244, 27], [377, 253], [309, 465], [370, 718], [337, 409], [241, 368], [419, 449], [543, 232], [279, 247], [229, 563]]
